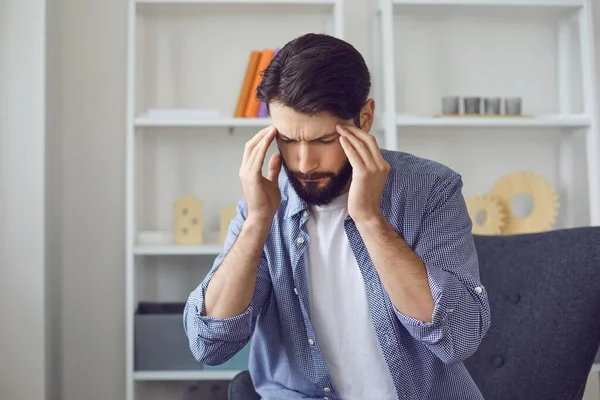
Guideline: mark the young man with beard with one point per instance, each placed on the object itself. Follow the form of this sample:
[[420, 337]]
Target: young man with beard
[[354, 271]]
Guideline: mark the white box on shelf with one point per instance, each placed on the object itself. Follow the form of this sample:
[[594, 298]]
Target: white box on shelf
[[155, 237], [174, 114]]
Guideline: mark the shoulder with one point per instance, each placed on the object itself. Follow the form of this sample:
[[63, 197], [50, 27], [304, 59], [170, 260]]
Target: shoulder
[[423, 197], [416, 187], [409, 168]]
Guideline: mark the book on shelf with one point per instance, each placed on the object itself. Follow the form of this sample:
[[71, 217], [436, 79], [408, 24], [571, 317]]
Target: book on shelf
[[248, 106]]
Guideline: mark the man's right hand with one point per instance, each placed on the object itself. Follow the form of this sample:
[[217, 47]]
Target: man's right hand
[[262, 194]]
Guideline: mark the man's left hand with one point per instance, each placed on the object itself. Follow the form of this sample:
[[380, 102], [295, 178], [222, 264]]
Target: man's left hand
[[370, 172]]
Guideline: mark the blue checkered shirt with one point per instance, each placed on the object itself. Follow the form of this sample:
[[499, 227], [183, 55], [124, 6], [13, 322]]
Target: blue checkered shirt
[[423, 201]]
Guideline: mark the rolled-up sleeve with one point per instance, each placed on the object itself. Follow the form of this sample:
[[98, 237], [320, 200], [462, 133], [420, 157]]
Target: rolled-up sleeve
[[212, 340], [461, 315]]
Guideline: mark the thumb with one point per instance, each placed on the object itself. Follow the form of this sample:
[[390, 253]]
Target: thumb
[[274, 168]]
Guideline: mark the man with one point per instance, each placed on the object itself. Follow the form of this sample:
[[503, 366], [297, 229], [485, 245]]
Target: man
[[354, 271]]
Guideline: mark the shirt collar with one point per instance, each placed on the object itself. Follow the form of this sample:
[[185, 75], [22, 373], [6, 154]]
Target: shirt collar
[[295, 204]]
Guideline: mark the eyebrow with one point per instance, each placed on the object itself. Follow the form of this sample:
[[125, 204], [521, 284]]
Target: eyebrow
[[326, 136]]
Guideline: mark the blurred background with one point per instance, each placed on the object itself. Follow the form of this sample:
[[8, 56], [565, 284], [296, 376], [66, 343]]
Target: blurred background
[[114, 115]]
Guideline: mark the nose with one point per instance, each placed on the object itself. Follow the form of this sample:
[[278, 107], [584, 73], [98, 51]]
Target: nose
[[307, 160]]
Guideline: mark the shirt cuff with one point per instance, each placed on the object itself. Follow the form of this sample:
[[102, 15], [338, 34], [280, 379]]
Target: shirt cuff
[[209, 329], [233, 329], [430, 332]]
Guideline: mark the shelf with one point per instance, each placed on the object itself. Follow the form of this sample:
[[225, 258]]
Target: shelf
[[208, 249], [184, 7], [251, 2], [200, 375], [495, 3], [547, 121], [517, 8], [161, 243], [219, 123]]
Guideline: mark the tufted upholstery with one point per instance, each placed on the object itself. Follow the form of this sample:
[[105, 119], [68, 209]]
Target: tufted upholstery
[[544, 293]]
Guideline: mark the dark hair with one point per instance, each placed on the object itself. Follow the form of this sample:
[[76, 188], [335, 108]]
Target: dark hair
[[317, 73]]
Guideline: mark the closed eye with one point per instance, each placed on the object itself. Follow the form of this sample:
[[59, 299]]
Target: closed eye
[[326, 142]]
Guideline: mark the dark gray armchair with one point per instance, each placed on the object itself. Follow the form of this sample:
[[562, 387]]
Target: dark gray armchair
[[544, 293]]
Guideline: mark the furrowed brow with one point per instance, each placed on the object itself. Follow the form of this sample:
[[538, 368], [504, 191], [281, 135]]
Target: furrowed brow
[[324, 137]]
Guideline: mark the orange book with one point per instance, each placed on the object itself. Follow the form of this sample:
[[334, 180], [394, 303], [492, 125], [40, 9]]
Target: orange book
[[252, 105], [247, 83]]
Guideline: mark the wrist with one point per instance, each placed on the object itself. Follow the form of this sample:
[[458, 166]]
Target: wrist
[[258, 225], [375, 222]]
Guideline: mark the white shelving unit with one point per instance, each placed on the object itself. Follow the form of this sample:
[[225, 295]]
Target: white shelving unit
[[176, 62], [569, 122], [566, 14]]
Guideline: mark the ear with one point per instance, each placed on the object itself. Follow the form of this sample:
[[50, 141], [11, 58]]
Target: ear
[[367, 115]]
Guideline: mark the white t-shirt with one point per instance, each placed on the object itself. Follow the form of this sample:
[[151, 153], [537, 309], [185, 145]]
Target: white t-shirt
[[339, 309]]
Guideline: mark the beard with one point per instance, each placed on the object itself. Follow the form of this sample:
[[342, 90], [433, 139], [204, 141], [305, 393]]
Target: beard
[[319, 193]]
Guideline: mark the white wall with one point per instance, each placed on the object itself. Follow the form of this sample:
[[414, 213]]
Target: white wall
[[54, 202], [92, 120], [23, 329], [92, 114]]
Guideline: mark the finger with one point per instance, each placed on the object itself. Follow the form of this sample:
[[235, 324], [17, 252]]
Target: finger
[[362, 135], [359, 147], [370, 141], [260, 151], [353, 156], [254, 145], [251, 144], [274, 168]]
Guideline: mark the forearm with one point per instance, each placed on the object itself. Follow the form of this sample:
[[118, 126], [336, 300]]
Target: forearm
[[451, 325], [402, 272], [232, 286]]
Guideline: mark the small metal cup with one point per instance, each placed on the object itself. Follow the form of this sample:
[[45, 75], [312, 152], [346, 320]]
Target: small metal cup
[[450, 105], [512, 106], [472, 105], [492, 105]]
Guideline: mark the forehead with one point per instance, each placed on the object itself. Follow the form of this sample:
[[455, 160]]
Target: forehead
[[299, 126]]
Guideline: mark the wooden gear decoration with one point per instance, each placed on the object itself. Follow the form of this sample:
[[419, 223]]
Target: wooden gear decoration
[[495, 217], [545, 202]]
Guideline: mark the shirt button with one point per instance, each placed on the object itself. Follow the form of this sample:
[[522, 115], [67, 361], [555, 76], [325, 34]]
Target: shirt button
[[305, 213], [311, 342], [478, 289], [300, 240], [296, 291], [327, 389], [325, 398]]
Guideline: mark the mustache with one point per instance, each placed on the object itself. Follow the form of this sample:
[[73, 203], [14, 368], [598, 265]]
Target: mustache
[[313, 175], [310, 176]]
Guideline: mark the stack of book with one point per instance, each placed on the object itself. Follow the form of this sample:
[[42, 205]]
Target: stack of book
[[248, 106]]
